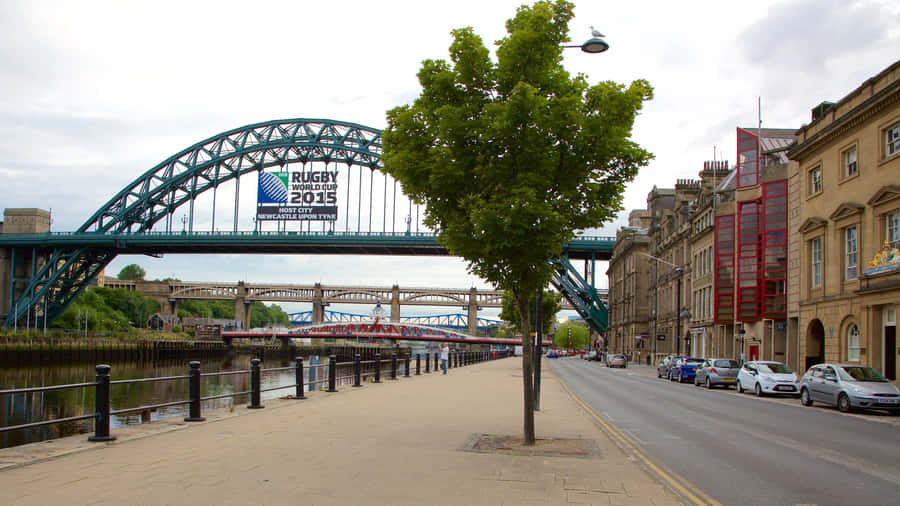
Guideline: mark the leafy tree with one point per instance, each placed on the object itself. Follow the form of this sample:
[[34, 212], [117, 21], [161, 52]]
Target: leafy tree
[[133, 272], [571, 335], [262, 315], [511, 157], [550, 306]]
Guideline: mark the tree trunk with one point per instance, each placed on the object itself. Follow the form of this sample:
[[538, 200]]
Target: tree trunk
[[527, 368]]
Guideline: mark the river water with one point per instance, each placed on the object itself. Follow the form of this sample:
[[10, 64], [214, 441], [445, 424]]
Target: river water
[[17, 409]]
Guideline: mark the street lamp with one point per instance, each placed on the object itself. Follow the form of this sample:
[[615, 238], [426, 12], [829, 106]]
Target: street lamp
[[594, 45]]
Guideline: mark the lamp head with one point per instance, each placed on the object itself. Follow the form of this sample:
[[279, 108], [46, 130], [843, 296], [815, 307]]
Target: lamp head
[[595, 45]]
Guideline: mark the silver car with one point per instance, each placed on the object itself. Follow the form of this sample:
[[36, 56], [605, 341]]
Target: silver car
[[849, 386], [618, 360], [717, 371]]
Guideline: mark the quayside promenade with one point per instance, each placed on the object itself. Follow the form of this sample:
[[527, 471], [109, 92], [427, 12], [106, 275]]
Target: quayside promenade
[[419, 440]]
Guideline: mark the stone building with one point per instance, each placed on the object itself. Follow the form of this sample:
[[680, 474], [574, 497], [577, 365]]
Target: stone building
[[628, 303], [670, 283], [705, 341], [845, 217]]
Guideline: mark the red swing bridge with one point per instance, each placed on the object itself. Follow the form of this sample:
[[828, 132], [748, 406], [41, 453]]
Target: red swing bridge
[[374, 330]]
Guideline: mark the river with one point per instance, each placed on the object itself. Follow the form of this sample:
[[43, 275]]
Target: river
[[25, 408]]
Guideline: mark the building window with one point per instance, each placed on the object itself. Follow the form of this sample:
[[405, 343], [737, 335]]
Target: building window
[[815, 180], [892, 140], [853, 343], [892, 229], [815, 256], [849, 163], [850, 252]]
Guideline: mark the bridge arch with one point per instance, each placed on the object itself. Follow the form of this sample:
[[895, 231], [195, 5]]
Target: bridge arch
[[207, 164], [178, 180]]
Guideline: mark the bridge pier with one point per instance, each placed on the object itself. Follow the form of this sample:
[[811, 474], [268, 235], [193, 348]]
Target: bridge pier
[[242, 306], [18, 265], [473, 312], [395, 303], [318, 306]]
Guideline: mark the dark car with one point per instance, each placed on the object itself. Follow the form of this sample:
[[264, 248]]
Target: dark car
[[717, 371], [684, 369], [664, 367]]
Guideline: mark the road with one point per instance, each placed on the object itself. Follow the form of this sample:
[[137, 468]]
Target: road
[[739, 449]]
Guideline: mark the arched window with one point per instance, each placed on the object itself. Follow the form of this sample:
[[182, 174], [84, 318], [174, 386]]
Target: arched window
[[853, 343]]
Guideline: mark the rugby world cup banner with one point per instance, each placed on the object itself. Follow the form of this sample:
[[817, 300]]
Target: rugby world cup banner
[[298, 195]]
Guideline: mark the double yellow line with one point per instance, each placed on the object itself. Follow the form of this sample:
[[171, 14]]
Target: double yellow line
[[627, 443]]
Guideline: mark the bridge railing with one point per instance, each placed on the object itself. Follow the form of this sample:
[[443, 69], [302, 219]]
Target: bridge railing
[[305, 380]]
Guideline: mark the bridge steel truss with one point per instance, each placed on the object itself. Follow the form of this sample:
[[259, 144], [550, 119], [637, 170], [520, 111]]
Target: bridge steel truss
[[62, 265]]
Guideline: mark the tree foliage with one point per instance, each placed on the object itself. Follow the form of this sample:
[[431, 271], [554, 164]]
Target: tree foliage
[[511, 157], [551, 302], [107, 309], [133, 272], [571, 335]]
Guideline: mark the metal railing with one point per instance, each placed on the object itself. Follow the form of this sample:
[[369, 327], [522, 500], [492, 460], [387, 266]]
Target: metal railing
[[373, 369]]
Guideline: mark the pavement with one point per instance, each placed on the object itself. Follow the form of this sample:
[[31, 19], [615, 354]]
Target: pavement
[[429, 439]]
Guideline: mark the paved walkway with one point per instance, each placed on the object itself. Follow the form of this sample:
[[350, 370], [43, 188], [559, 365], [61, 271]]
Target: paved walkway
[[396, 443]]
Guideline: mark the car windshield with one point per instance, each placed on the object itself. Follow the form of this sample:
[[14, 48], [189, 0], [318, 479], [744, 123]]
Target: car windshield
[[730, 364], [694, 361], [774, 368], [860, 374]]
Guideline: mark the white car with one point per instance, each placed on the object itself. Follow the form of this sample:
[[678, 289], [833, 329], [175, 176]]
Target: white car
[[764, 377]]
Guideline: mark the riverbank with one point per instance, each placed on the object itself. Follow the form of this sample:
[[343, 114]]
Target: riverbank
[[430, 439]]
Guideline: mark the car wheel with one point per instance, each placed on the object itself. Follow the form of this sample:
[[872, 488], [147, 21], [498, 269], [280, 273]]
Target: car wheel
[[740, 387], [696, 382], [708, 383], [805, 399], [658, 374], [758, 389], [843, 403]]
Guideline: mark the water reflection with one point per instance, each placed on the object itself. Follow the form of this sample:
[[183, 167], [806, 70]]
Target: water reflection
[[33, 407]]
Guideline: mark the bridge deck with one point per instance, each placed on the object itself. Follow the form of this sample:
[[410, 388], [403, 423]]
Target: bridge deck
[[337, 243]]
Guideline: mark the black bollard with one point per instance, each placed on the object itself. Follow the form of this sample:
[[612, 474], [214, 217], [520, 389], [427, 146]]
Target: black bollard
[[406, 366], [101, 402], [394, 365], [254, 385], [436, 362], [357, 373], [299, 373], [377, 368], [418, 364], [194, 388], [332, 373], [427, 363]]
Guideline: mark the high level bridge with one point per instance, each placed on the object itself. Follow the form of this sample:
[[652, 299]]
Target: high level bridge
[[318, 189], [169, 293]]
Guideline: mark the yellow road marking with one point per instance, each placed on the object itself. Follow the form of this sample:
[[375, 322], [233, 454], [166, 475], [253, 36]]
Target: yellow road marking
[[680, 484]]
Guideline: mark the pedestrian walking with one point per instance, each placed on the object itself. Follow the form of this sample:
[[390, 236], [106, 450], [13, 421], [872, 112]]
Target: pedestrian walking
[[445, 355]]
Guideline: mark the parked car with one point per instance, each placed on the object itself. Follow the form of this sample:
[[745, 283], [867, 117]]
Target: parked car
[[684, 369], [717, 371], [552, 354], [849, 387], [617, 360], [591, 355], [765, 377], [662, 369]]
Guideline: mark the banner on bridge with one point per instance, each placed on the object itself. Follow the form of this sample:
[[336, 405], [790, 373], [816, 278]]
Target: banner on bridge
[[297, 195]]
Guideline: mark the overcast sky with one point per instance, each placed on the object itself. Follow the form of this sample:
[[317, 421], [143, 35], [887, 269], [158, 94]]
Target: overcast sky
[[93, 94]]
